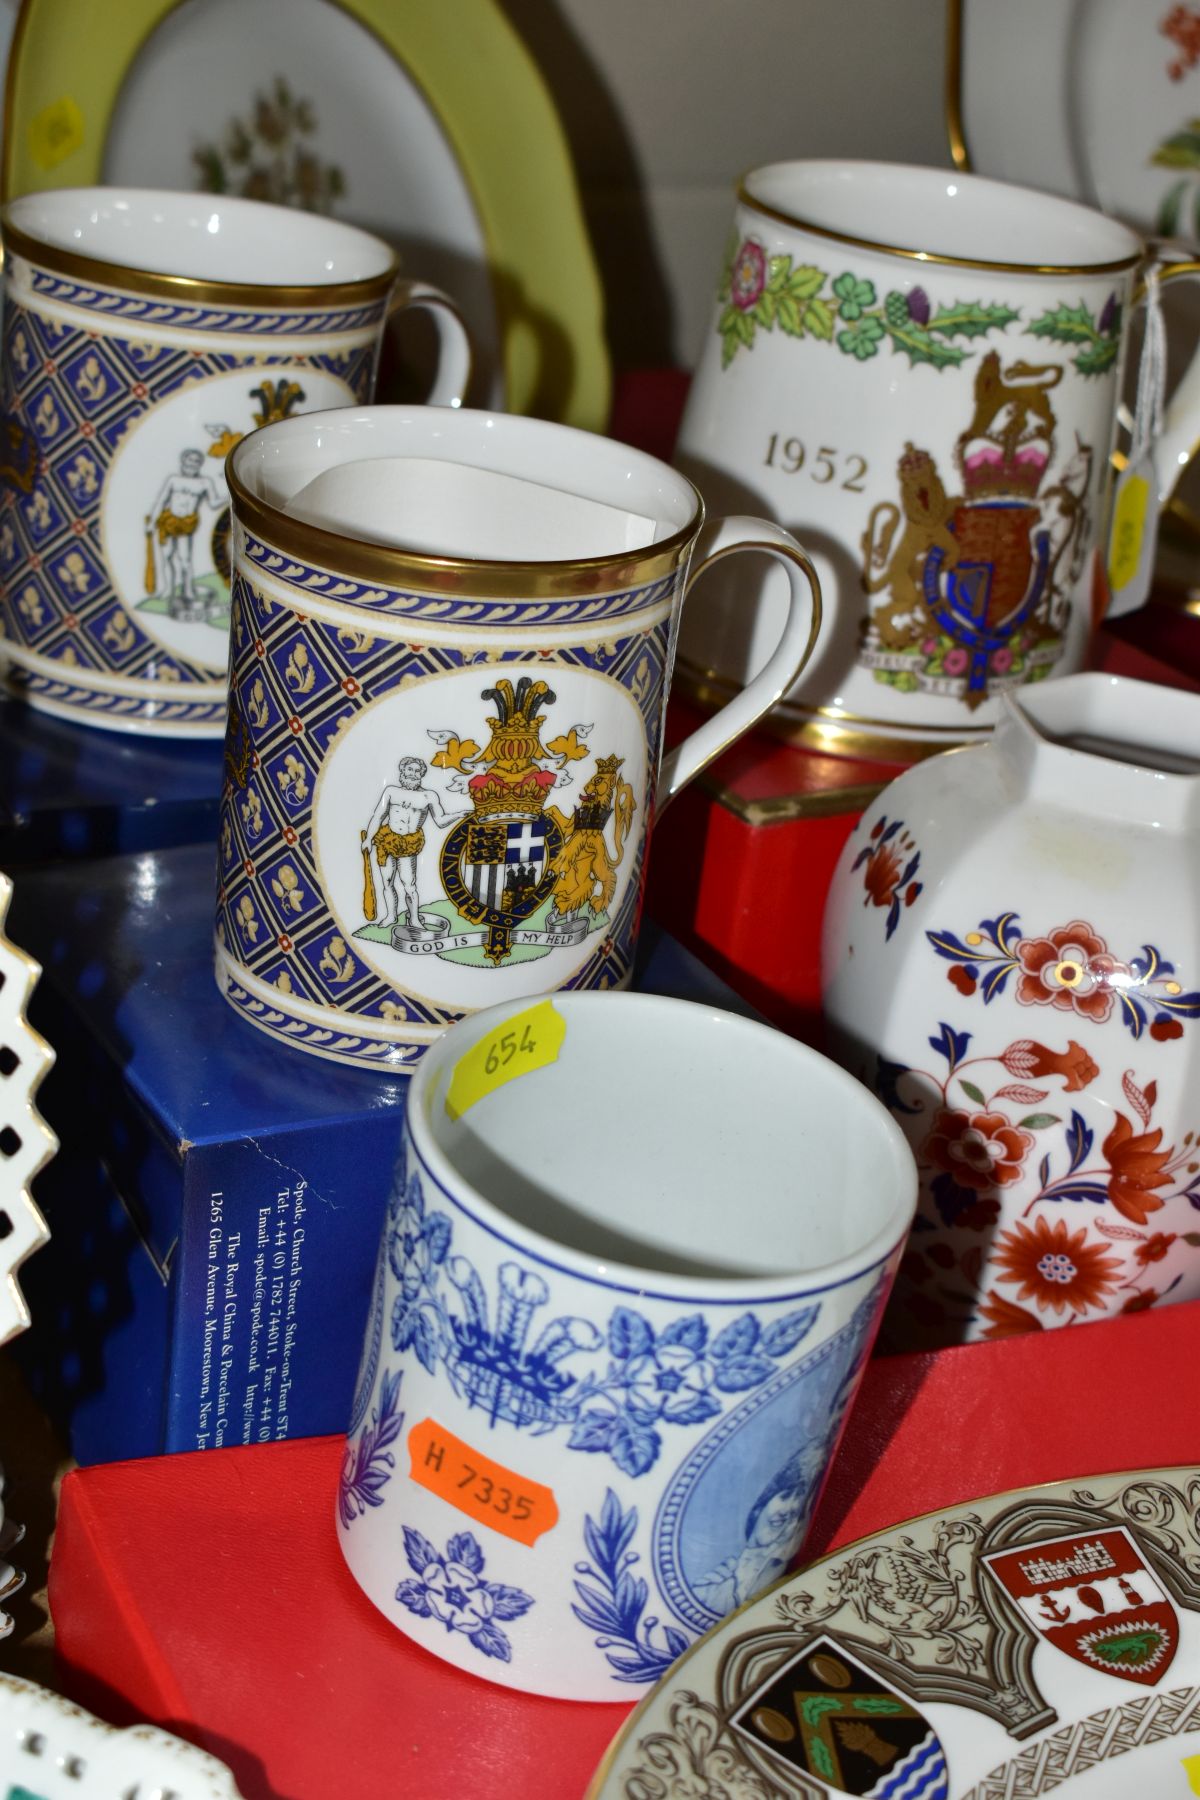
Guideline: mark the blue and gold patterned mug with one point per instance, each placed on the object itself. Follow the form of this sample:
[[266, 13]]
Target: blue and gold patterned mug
[[145, 334], [452, 644], [634, 1257]]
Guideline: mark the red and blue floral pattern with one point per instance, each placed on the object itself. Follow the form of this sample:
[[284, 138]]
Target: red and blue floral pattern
[[985, 1124], [1070, 968], [889, 862]]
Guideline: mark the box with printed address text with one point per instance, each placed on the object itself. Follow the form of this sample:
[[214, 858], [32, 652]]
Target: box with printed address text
[[216, 1207]]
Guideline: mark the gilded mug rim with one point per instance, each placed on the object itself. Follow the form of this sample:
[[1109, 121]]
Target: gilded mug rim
[[137, 279], [466, 577], [792, 218]]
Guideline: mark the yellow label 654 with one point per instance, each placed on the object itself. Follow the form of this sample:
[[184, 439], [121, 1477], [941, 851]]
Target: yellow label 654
[[525, 1041]]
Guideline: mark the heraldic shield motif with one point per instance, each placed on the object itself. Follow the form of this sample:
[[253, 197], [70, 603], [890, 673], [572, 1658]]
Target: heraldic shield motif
[[826, 1716], [978, 583], [516, 872], [1092, 1596]]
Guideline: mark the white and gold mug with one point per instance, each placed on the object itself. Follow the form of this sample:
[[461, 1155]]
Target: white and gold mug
[[145, 334], [919, 371]]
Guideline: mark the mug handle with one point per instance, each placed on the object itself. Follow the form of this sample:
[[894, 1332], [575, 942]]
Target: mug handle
[[728, 537], [1180, 438], [454, 343]]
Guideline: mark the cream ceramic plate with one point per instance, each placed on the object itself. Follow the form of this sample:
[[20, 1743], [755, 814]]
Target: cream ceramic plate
[[1096, 99], [428, 124], [1036, 1642], [51, 1750], [26, 1141]]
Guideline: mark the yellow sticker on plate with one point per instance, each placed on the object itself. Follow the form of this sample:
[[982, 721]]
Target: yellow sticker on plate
[[1129, 524], [55, 132], [1191, 1768], [526, 1041]]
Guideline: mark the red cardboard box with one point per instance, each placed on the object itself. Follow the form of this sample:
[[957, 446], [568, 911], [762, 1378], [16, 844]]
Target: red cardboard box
[[743, 860], [206, 1592]]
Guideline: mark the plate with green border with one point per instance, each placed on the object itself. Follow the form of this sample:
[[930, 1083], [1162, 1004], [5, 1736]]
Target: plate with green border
[[435, 114]]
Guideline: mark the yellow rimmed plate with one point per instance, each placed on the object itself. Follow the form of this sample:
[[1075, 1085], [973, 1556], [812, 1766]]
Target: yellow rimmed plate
[[1041, 1641], [429, 124]]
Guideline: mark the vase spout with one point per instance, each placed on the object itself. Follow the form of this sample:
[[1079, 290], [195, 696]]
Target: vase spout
[[1130, 748]]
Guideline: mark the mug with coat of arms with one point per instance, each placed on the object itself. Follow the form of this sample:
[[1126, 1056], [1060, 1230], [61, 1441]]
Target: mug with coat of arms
[[452, 641], [145, 334], [919, 371]]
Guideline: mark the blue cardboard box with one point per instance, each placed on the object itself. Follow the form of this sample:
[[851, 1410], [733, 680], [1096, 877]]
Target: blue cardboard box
[[73, 790], [216, 1206]]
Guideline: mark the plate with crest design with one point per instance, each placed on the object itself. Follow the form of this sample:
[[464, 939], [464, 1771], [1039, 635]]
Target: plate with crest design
[[1043, 1641]]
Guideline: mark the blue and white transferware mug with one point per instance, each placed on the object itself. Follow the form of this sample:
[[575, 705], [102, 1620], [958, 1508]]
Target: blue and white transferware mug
[[145, 334], [634, 1258], [452, 644]]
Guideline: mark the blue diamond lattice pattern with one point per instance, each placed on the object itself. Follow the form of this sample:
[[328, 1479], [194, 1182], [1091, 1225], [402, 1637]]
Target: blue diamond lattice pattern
[[78, 393], [284, 711]]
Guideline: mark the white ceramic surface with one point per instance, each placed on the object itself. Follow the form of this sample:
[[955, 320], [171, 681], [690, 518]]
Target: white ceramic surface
[[1036, 1642], [202, 236], [1093, 100], [52, 1750], [918, 372], [26, 1142], [178, 323], [634, 1256], [1011, 959], [26, 1145], [452, 653]]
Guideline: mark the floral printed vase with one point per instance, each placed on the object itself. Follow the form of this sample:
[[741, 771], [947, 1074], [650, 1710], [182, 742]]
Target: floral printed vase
[[1012, 960]]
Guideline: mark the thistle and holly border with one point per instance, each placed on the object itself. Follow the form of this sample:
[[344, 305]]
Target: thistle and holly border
[[761, 292]]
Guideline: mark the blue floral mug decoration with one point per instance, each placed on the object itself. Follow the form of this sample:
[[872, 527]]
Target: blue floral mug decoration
[[634, 1259]]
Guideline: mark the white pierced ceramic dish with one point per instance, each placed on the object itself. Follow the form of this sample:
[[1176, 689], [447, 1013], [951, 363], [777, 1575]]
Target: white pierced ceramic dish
[[11, 1579], [26, 1145], [52, 1750], [26, 1141]]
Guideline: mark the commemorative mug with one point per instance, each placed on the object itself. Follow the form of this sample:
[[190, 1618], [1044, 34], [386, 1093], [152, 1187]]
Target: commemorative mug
[[919, 371], [145, 334], [634, 1257], [451, 652]]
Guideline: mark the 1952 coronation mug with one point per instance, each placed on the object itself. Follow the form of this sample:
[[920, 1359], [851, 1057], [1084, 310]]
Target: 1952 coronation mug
[[634, 1257], [144, 335], [919, 371], [452, 644]]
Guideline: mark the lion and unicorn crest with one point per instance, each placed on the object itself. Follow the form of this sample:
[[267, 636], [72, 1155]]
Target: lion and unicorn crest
[[519, 876], [978, 584]]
